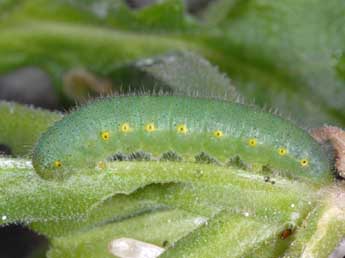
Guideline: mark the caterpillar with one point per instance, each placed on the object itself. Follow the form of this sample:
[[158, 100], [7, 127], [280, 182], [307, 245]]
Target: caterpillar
[[186, 126]]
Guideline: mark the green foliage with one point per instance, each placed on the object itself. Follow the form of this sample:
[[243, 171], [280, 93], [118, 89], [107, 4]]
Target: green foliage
[[322, 228], [77, 207], [180, 73], [81, 203], [168, 15], [20, 126], [83, 47], [282, 54], [74, 196], [157, 228], [227, 236]]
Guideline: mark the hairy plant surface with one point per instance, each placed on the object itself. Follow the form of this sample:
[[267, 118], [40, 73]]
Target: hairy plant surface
[[279, 54]]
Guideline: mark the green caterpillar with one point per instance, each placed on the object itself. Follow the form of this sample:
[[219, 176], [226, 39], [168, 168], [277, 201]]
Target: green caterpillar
[[187, 126]]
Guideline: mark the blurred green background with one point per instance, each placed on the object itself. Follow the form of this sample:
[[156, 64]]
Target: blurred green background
[[286, 56], [283, 55]]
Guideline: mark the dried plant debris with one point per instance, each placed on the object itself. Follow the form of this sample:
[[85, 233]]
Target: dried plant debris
[[336, 136], [80, 84]]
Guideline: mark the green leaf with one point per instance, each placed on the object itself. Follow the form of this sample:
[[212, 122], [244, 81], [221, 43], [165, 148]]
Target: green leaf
[[283, 54], [20, 126], [5, 7], [181, 73], [280, 54], [226, 236], [117, 208], [97, 50], [210, 200], [77, 204], [160, 228], [72, 198], [123, 70], [323, 229], [162, 16]]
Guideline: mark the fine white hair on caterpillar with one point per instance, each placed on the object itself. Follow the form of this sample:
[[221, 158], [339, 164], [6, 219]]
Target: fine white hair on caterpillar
[[194, 129]]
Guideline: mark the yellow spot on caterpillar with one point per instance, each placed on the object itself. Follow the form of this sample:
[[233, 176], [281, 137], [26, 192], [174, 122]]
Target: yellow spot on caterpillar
[[57, 164], [182, 129], [150, 127], [101, 165], [218, 134], [105, 135], [252, 142], [282, 151], [304, 162], [125, 128]]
